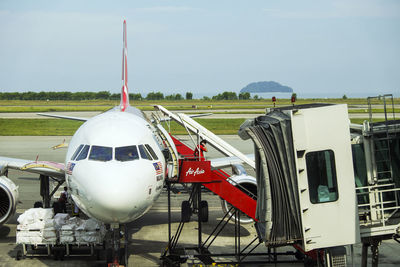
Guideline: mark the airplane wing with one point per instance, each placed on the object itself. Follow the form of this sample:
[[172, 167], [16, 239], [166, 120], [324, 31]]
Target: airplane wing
[[85, 119], [219, 163], [62, 117], [48, 168]]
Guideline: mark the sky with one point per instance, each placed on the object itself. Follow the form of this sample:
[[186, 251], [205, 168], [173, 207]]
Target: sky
[[318, 48]]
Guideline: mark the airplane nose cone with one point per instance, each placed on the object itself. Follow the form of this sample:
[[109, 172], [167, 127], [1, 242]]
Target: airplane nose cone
[[120, 197]]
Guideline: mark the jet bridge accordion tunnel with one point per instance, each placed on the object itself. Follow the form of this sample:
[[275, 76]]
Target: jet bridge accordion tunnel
[[305, 178]]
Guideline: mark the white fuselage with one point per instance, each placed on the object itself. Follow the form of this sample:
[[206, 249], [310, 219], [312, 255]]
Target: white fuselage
[[112, 184]]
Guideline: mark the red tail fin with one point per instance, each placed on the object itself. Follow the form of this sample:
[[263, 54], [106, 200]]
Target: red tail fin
[[124, 93]]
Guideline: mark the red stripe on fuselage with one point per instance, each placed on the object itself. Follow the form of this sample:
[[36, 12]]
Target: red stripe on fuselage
[[124, 93], [125, 98]]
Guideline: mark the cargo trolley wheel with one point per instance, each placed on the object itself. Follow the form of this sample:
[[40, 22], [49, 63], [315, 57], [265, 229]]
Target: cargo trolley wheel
[[19, 255]]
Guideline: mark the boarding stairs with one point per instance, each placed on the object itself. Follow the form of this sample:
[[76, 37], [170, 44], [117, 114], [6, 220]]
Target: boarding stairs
[[216, 180], [184, 164]]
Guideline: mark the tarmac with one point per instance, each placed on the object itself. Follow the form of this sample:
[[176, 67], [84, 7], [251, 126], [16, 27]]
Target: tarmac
[[148, 235]]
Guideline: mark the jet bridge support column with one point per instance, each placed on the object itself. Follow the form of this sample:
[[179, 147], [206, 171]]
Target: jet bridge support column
[[374, 243]]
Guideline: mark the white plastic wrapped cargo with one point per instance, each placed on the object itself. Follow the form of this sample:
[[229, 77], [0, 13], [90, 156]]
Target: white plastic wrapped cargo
[[36, 227], [90, 231], [35, 237], [89, 236], [60, 219], [35, 215]]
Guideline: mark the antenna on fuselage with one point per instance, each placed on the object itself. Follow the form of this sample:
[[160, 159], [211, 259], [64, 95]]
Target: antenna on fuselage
[[124, 93]]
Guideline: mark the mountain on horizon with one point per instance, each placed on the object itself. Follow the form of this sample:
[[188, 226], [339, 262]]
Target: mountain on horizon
[[266, 87]]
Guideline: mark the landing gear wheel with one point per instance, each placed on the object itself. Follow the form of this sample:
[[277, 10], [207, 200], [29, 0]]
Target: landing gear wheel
[[186, 211], [203, 211]]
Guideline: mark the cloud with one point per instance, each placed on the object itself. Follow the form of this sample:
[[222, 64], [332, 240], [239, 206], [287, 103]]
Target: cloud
[[341, 9]]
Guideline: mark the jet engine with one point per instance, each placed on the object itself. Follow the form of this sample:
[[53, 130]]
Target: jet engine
[[244, 182], [8, 199]]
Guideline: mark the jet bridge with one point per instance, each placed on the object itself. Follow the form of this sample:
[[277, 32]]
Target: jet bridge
[[305, 176], [320, 187]]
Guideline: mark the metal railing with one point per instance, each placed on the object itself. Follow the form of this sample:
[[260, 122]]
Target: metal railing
[[377, 206]]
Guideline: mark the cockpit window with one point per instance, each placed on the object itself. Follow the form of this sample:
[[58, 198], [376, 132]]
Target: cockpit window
[[101, 153], [144, 154], [126, 153], [76, 152], [84, 152], [153, 154]]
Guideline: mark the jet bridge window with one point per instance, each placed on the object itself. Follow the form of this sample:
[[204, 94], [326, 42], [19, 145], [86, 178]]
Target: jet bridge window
[[126, 153], [76, 152], [153, 154], [144, 154], [321, 172], [84, 152], [101, 153]]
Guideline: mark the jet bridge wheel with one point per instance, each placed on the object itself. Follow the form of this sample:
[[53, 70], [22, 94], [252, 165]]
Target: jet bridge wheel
[[186, 211], [203, 211]]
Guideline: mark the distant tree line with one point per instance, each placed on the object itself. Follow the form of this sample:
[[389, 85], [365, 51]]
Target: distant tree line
[[106, 95]]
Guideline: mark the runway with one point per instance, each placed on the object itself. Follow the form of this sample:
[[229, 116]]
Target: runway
[[148, 235]]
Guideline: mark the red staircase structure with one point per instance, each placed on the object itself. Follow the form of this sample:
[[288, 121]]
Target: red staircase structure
[[192, 170]]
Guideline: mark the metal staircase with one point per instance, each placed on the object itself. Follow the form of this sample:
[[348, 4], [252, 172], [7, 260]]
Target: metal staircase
[[217, 182]]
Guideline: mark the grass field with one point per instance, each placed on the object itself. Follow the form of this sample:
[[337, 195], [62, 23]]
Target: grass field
[[43, 127], [40, 127], [61, 127]]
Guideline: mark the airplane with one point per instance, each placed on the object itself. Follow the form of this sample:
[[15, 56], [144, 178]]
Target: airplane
[[115, 166]]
